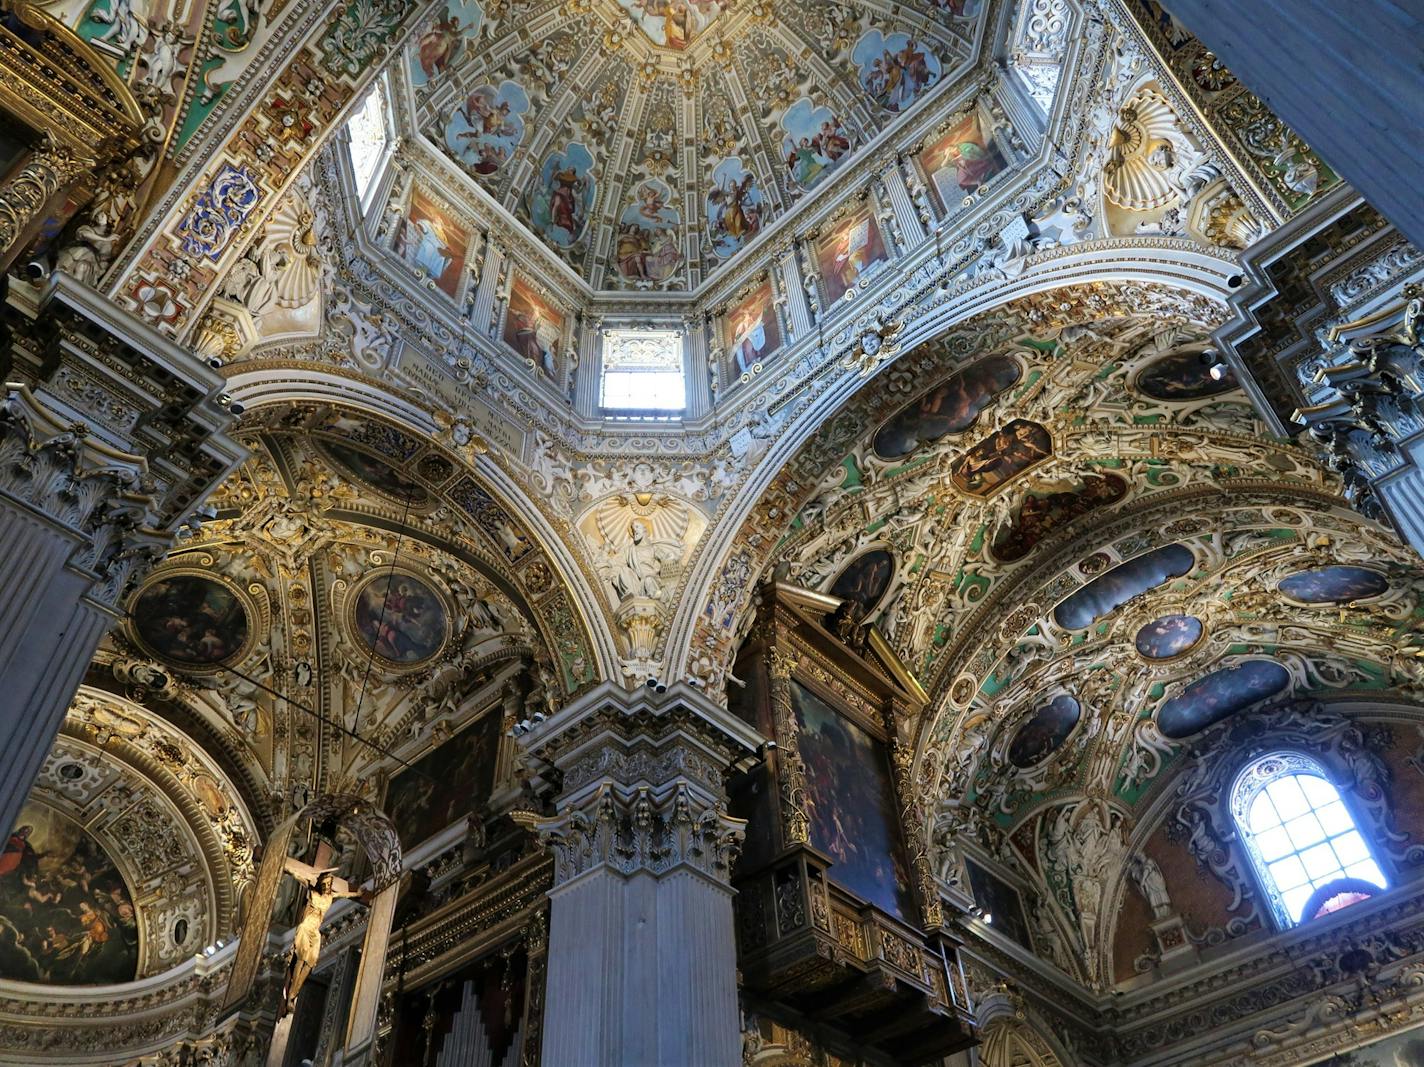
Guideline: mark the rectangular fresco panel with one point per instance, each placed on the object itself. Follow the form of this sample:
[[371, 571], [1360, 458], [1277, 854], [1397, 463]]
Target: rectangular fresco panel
[[533, 327], [1001, 901], [961, 161], [850, 250], [432, 244], [445, 784], [851, 805], [751, 331]]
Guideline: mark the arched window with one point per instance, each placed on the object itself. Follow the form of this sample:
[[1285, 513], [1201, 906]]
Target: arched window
[[1310, 857]]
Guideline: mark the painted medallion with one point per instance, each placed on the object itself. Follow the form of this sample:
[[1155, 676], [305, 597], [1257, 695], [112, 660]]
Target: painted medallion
[[190, 620], [1169, 636], [1045, 731], [400, 618]]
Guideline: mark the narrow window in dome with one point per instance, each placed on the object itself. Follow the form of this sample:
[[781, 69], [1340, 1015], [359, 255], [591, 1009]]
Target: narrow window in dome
[[1309, 854], [642, 374], [369, 136]]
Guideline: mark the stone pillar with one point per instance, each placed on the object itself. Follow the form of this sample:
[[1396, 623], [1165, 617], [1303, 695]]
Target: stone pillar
[[1343, 76], [109, 438], [642, 964]]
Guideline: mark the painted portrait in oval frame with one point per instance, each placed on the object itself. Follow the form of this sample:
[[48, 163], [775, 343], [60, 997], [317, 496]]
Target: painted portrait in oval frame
[[400, 618], [1045, 731], [865, 578], [1169, 636], [192, 620]]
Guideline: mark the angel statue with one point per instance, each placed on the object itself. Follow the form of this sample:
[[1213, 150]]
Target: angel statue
[[322, 891]]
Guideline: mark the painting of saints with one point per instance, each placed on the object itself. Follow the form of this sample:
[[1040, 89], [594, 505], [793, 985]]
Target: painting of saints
[[191, 620], [1046, 509], [647, 243], [1183, 376], [400, 618], [815, 141], [440, 43], [1334, 585], [66, 913], [431, 244], [961, 161], [486, 129], [1001, 457], [1001, 903], [735, 207], [376, 472], [752, 330], [673, 23], [894, 70], [446, 784], [850, 804], [533, 328], [560, 200], [850, 250], [951, 407]]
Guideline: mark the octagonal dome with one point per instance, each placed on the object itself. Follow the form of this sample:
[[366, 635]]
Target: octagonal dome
[[647, 142]]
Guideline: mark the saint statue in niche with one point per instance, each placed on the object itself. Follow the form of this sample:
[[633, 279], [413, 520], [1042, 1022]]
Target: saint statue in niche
[[322, 892]]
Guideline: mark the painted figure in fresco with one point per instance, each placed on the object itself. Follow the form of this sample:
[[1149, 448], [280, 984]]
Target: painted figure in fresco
[[647, 246], [566, 200], [1334, 585], [1044, 732], [1042, 513], [440, 44], [1002, 457], [66, 917], [426, 248], [750, 338], [853, 251], [400, 619], [950, 408], [736, 210], [898, 75], [533, 334], [19, 855], [190, 619], [1220, 694], [306, 945]]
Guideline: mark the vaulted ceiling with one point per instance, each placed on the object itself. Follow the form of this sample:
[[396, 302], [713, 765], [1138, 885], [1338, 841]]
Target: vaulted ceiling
[[646, 142]]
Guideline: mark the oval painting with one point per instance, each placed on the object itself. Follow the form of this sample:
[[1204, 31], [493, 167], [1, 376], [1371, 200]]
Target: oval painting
[[1044, 732], [949, 408], [1334, 585], [191, 620], [1108, 592], [865, 579], [1219, 695], [400, 618], [66, 914], [1169, 636], [375, 472], [1182, 376]]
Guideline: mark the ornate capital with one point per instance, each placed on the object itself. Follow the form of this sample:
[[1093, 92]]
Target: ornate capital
[[642, 780]]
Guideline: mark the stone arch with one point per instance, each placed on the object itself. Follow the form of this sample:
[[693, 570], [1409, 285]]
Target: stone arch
[[1076, 285], [271, 387]]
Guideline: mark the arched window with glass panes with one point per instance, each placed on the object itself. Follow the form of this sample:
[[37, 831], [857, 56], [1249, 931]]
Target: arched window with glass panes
[[1308, 849]]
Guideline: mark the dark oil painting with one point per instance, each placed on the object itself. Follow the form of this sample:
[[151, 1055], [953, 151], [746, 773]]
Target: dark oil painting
[[1001, 903], [1182, 376], [1334, 585], [949, 408], [1220, 694], [445, 784], [400, 618], [1108, 592], [192, 620], [865, 579], [850, 804], [377, 473], [473, 1016], [1045, 731], [66, 915], [1001, 457], [1042, 513], [1169, 636]]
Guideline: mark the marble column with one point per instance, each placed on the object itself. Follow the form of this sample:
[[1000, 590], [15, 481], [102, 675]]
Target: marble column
[[642, 965], [109, 438], [1346, 77]]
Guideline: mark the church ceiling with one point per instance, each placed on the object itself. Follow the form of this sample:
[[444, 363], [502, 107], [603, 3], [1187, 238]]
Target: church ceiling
[[647, 142], [356, 595]]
